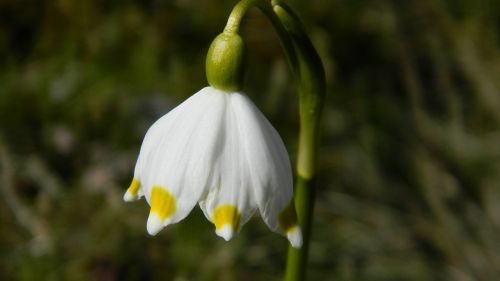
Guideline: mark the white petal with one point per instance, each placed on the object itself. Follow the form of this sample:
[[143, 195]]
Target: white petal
[[271, 173], [226, 232], [230, 198], [155, 224], [134, 192], [128, 197], [294, 235], [178, 151]]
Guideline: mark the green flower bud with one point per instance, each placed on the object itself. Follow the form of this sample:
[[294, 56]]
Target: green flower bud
[[225, 62]]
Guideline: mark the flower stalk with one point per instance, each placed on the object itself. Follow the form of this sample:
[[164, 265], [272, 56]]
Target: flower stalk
[[309, 75]]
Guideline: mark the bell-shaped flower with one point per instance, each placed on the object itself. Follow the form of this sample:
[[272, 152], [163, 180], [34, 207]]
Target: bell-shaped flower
[[216, 149]]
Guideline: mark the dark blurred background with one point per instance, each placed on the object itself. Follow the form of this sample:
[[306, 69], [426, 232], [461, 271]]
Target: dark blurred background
[[410, 171]]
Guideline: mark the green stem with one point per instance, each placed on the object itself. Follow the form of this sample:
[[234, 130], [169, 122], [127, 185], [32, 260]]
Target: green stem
[[308, 71], [234, 21], [311, 88]]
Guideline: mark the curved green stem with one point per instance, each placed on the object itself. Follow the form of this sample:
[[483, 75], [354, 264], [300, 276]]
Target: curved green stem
[[311, 89], [234, 21], [308, 71]]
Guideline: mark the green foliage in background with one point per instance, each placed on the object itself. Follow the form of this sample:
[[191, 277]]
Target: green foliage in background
[[410, 168]]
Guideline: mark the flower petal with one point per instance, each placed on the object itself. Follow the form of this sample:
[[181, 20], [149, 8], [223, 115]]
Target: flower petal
[[227, 220], [133, 192], [163, 206], [294, 235], [269, 165], [229, 203], [177, 154]]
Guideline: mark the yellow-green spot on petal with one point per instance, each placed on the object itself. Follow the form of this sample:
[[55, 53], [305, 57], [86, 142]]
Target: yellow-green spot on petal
[[226, 214], [134, 187], [288, 217], [132, 192], [162, 202]]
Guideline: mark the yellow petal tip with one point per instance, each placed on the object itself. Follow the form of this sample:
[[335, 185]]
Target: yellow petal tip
[[163, 203], [294, 235], [288, 217], [225, 232], [226, 216], [155, 224], [132, 192]]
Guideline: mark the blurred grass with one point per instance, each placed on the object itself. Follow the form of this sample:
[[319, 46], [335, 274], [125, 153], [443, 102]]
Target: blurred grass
[[410, 180]]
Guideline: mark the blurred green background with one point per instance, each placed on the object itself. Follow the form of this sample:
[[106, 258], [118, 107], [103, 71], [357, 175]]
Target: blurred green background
[[409, 185]]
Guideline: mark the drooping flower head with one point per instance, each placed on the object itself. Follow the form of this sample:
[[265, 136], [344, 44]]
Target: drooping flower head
[[218, 150]]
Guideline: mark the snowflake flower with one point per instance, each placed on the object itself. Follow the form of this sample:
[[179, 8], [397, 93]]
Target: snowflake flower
[[218, 150]]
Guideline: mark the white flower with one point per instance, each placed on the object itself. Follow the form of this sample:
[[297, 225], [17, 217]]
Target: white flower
[[218, 150]]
